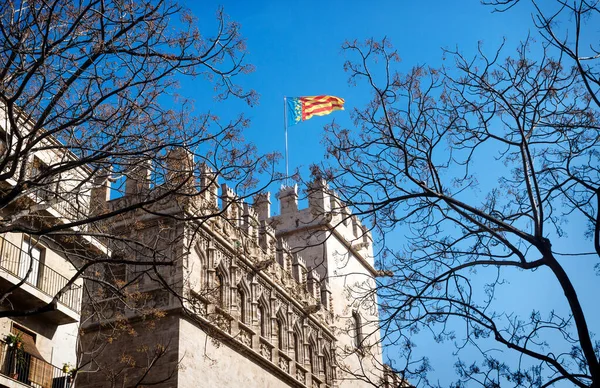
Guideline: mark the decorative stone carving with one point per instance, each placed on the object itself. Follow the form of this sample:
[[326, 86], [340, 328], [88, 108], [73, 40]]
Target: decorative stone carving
[[245, 271], [296, 316], [198, 307], [284, 365], [222, 322], [245, 338], [263, 288], [301, 377], [265, 351], [281, 303]]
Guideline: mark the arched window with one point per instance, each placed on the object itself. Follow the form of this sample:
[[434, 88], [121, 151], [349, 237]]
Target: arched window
[[327, 369], [358, 334], [262, 321], [280, 335], [277, 329], [241, 302], [220, 288], [198, 268], [311, 359], [297, 348]]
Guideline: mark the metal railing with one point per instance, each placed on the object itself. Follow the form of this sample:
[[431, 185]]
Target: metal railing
[[30, 370], [66, 205], [21, 264], [69, 209]]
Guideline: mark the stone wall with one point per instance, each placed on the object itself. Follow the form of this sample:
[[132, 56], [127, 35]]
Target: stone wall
[[141, 350]]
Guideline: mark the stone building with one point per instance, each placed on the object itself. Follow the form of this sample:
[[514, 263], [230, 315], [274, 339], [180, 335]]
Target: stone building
[[248, 298]]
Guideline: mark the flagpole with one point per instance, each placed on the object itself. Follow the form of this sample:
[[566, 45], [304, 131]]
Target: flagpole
[[285, 125]]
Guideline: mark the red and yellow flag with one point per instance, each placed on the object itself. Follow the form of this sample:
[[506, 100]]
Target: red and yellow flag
[[303, 108]]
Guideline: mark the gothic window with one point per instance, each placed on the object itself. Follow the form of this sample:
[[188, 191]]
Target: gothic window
[[241, 302], [311, 359], [198, 270], [220, 288], [280, 334], [358, 334], [277, 329], [327, 369], [262, 321], [297, 348]]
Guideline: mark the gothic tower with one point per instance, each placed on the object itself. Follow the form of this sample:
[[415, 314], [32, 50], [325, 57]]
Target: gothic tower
[[338, 251], [241, 298]]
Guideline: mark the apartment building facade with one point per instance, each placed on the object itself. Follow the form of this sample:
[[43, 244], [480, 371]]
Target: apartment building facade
[[40, 294]]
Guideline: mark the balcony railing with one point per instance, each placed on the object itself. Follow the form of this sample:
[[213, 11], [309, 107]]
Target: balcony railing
[[69, 210], [30, 370], [21, 264], [66, 205]]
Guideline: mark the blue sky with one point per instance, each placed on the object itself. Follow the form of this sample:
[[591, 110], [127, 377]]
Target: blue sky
[[296, 49]]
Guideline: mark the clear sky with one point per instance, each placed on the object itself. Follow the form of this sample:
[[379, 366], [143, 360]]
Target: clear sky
[[296, 49]]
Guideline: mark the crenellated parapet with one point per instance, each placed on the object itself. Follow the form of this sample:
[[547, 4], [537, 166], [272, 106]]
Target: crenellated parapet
[[203, 194], [266, 237], [180, 174], [262, 204], [137, 178], [209, 186], [326, 217], [288, 199]]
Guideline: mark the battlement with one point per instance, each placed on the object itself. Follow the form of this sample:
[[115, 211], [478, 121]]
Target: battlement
[[325, 211], [201, 183]]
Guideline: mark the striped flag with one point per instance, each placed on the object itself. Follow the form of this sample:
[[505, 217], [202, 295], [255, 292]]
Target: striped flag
[[303, 108]]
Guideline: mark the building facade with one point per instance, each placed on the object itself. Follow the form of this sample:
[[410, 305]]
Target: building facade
[[248, 298], [39, 302]]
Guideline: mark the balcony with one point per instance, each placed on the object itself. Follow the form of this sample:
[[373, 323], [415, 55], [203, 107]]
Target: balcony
[[21, 369], [41, 285], [64, 206]]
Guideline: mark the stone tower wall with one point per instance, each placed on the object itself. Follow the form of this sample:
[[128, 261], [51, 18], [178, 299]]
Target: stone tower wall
[[336, 245]]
